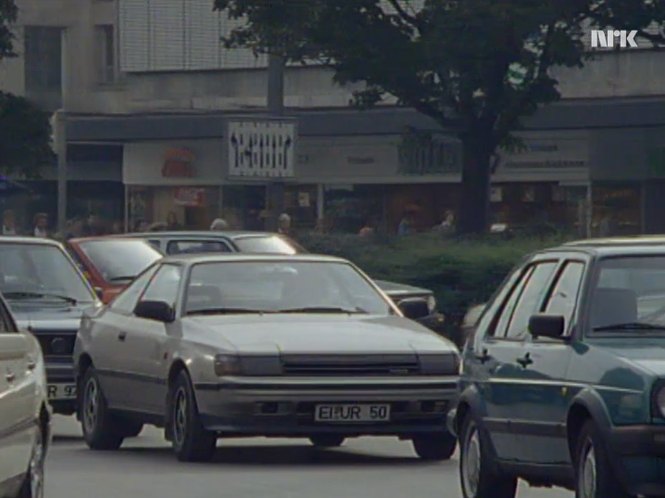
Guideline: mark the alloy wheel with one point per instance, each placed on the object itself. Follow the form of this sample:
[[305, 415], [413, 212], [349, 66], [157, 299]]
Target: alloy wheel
[[471, 462], [91, 405], [180, 416], [587, 473]]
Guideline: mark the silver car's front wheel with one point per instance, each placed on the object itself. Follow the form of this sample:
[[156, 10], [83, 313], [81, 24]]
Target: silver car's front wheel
[[191, 441]]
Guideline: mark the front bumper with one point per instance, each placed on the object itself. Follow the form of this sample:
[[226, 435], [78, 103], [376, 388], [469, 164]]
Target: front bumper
[[638, 456], [285, 407], [60, 372]]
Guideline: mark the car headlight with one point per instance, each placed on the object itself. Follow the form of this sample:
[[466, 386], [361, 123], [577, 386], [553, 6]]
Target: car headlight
[[226, 364], [431, 304], [659, 400]]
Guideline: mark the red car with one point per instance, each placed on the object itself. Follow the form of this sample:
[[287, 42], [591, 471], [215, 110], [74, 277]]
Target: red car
[[111, 263]]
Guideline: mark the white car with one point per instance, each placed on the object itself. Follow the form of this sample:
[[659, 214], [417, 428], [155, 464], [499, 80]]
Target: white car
[[24, 411]]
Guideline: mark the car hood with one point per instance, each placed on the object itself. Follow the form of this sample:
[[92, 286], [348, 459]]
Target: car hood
[[646, 354], [395, 289], [306, 334], [50, 317]]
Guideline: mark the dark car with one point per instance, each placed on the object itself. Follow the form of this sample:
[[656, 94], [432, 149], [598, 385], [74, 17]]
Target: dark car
[[110, 263], [563, 382], [48, 295], [197, 242]]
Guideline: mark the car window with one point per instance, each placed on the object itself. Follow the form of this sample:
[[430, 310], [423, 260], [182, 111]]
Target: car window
[[156, 244], [196, 246], [119, 260], [268, 244], [40, 272], [564, 296], [126, 301], [509, 306], [6, 325], [164, 286], [530, 300]]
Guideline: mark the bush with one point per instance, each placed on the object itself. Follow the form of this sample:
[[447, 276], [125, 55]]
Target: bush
[[460, 271]]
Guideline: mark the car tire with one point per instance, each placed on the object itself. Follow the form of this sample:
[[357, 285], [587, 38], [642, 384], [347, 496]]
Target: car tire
[[327, 440], [33, 485], [439, 446], [130, 428], [100, 430], [191, 441], [594, 477], [478, 478]]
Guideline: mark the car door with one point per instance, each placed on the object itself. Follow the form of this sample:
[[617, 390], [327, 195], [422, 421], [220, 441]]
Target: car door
[[541, 426], [498, 353], [17, 391], [145, 346], [108, 336]]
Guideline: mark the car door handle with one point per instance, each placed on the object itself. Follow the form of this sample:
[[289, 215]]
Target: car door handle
[[525, 361], [31, 365], [10, 376], [122, 336], [483, 357]]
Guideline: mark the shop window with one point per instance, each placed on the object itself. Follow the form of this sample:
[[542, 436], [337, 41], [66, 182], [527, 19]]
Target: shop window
[[43, 65]]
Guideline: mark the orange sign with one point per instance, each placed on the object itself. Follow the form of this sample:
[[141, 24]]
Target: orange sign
[[178, 163]]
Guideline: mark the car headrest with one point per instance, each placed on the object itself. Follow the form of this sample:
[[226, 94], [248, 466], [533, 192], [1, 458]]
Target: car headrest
[[613, 306]]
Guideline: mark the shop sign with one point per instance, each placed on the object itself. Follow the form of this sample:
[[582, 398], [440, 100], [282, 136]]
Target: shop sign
[[546, 154], [261, 148], [189, 197], [426, 153], [178, 163]]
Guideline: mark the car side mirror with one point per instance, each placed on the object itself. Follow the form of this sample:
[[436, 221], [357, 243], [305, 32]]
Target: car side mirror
[[542, 325], [414, 308], [155, 310]]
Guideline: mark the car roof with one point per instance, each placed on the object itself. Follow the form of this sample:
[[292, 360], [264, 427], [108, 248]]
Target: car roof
[[229, 234], [97, 238], [242, 257], [616, 246], [38, 241]]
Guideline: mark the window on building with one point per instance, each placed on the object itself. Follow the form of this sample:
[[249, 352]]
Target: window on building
[[43, 65], [105, 53]]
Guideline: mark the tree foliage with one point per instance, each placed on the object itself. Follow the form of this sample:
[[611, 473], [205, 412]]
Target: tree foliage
[[24, 129], [480, 65]]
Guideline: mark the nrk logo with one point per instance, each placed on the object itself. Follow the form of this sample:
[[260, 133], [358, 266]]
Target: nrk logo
[[606, 39]]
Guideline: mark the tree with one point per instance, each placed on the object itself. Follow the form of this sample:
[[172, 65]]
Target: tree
[[25, 131], [478, 65]]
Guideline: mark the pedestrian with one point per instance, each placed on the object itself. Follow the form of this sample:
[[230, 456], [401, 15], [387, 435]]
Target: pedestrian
[[141, 226], [405, 226], [367, 230], [9, 223], [40, 222], [284, 224], [172, 221], [219, 225], [448, 223]]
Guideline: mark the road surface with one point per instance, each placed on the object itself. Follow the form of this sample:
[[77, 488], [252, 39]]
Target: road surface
[[250, 468]]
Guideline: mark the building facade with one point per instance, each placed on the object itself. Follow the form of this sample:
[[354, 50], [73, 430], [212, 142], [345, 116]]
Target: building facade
[[149, 91]]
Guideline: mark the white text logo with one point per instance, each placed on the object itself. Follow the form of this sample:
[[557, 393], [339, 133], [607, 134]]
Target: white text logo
[[605, 39]]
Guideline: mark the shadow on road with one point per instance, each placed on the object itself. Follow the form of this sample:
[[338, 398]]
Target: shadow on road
[[280, 455]]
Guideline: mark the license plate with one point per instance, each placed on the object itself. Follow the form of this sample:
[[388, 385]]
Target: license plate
[[61, 391], [350, 413]]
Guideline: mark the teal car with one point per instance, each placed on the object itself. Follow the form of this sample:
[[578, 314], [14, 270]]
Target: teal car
[[563, 380]]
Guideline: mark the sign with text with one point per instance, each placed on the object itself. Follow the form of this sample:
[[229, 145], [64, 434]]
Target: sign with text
[[261, 148]]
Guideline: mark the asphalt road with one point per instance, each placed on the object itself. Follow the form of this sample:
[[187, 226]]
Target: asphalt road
[[145, 467]]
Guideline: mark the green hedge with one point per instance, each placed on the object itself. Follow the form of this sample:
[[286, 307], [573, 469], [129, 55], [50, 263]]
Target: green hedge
[[460, 272]]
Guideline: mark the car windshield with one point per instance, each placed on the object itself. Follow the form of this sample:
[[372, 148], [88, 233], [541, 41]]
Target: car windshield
[[281, 287], [268, 244], [119, 260], [40, 272], [628, 296]]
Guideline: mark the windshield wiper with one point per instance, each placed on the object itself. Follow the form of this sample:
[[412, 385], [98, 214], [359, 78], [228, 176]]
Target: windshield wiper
[[629, 326], [322, 309], [38, 295], [223, 311], [121, 278]]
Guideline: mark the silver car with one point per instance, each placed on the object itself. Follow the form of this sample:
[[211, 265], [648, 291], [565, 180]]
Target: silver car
[[24, 412], [241, 345]]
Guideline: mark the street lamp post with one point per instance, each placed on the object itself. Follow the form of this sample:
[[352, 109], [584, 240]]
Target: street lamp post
[[275, 187], [60, 146]]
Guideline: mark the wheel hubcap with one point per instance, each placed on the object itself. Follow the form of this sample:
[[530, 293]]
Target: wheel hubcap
[[471, 463], [91, 405], [588, 471], [180, 416], [37, 468]]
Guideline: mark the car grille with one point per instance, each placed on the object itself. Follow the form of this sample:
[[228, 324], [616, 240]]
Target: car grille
[[331, 365], [56, 344]]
